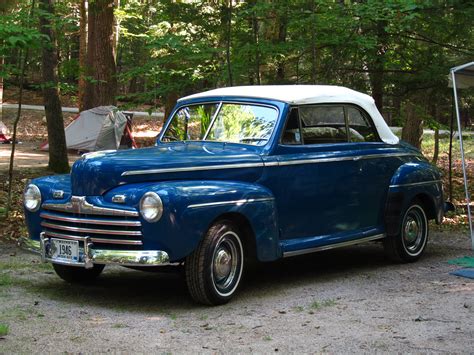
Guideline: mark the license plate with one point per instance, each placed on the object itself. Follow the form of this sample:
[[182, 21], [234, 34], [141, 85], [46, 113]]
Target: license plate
[[65, 250]]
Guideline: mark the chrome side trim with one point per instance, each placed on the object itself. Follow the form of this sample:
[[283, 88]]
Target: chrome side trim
[[78, 204], [97, 240], [194, 168], [418, 183], [349, 158], [90, 230], [101, 256], [46, 215], [333, 246], [264, 164], [234, 202]]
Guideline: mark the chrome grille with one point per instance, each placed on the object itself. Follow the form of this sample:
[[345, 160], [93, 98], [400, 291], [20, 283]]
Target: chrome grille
[[77, 219]]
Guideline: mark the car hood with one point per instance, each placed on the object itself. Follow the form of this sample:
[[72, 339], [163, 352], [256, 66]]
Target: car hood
[[95, 173]]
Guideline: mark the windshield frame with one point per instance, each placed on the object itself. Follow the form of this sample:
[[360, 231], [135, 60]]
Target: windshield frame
[[220, 103]]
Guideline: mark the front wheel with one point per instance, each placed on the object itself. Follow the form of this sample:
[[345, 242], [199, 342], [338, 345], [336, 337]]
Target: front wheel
[[74, 274], [214, 270], [410, 243]]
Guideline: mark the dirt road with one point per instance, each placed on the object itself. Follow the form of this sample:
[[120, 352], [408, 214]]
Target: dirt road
[[347, 300]]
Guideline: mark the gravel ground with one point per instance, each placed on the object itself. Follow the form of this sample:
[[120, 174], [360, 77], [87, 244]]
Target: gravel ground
[[346, 300]]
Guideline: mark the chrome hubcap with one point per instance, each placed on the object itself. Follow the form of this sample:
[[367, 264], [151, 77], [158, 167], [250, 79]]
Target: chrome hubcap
[[414, 230], [222, 264], [411, 230], [227, 263]]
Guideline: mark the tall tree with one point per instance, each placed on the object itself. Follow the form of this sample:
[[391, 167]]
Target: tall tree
[[82, 52], [101, 87], [58, 159]]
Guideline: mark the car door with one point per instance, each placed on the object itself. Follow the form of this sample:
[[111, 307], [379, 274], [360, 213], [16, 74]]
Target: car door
[[315, 185], [376, 164]]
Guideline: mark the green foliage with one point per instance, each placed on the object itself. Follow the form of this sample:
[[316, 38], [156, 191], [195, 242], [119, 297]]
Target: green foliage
[[4, 329], [400, 49]]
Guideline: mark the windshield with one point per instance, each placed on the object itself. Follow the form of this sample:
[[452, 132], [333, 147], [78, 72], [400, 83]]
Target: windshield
[[222, 122]]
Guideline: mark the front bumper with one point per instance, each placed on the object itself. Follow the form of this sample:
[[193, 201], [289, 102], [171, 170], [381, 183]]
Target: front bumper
[[91, 256]]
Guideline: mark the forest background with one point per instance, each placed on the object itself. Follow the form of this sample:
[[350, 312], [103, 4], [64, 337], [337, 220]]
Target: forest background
[[137, 53]]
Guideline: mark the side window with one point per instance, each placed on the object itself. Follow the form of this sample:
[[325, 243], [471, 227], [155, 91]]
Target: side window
[[292, 134], [323, 124], [360, 127]]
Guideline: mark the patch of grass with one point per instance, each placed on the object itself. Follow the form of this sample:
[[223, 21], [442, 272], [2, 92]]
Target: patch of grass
[[14, 265], [18, 313], [267, 338], [5, 280], [298, 309], [119, 326], [325, 303], [4, 329]]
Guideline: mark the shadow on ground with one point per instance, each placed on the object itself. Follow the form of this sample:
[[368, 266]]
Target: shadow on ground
[[137, 291]]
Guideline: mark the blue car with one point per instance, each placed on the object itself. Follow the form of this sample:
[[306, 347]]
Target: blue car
[[239, 174]]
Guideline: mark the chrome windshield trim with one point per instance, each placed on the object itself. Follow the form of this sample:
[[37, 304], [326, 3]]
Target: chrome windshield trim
[[234, 202], [431, 182], [96, 240], [333, 246], [194, 168], [46, 215], [78, 204], [90, 230], [212, 121]]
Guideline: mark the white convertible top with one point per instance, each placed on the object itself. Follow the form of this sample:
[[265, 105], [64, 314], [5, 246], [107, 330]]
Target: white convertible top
[[306, 94]]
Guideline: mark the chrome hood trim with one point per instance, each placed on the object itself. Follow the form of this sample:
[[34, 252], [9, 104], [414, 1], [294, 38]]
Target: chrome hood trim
[[78, 204]]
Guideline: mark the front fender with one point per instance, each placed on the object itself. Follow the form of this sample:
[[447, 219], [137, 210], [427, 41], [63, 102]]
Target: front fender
[[190, 208], [412, 180]]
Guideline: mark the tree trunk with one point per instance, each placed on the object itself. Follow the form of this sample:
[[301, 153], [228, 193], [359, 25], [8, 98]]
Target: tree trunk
[[101, 86], [255, 28], [228, 17], [116, 31], [436, 146], [82, 53], [413, 129], [282, 30], [2, 62], [169, 104], [58, 159]]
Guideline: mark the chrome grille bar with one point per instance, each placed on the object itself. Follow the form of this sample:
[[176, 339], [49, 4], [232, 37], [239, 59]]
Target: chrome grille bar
[[90, 220], [94, 240], [90, 230]]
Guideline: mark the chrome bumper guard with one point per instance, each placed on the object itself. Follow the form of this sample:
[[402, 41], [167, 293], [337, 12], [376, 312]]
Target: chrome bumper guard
[[90, 256]]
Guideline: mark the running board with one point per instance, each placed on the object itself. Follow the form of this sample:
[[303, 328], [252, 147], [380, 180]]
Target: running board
[[333, 246]]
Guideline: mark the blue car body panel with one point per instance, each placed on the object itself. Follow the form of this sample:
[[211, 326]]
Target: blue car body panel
[[293, 197]]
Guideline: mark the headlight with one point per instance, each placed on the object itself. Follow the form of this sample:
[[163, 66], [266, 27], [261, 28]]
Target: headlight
[[32, 198], [151, 207]]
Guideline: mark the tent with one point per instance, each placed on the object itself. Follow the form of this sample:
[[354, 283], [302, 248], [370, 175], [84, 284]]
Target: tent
[[463, 77], [99, 128], [4, 137]]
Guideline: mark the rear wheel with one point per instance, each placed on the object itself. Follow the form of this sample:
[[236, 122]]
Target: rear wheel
[[410, 243], [214, 269], [73, 274]]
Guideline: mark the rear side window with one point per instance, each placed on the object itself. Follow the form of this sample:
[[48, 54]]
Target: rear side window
[[360, 127], [323, 124]]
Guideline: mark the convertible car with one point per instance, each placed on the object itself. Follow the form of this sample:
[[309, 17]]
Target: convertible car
[[239, 174]]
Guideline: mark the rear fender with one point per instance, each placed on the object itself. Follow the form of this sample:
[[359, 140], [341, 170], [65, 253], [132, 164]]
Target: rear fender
[[420, 180]]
